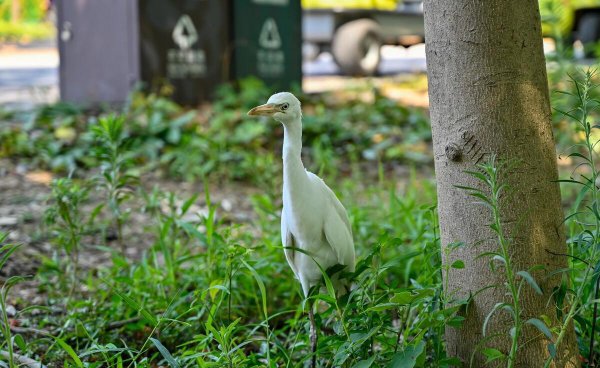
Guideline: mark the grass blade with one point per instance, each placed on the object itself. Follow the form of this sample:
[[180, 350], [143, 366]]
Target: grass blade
[[69, 350], [165, 353]]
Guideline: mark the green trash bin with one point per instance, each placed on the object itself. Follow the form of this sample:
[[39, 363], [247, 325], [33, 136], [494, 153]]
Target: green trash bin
[[196, 45], [267, 41]]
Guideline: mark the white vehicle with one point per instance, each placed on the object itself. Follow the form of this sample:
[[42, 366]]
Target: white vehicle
[[354, 30]]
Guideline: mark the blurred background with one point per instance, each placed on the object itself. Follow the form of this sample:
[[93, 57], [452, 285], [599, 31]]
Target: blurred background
[[84, 52], [99, 52], [84, 58]]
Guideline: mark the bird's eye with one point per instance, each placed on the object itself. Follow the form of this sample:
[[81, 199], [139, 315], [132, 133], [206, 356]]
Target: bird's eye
[[285, 106]]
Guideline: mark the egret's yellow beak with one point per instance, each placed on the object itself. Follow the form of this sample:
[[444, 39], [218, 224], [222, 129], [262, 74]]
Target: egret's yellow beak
[[263, 110]]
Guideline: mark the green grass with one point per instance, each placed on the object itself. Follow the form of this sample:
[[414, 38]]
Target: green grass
[[222, 143], [204, 289], [25, 32], [210, 294]]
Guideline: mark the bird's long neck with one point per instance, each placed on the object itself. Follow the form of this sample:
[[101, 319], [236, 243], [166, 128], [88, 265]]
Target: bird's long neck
[[292, 141], [294, 174]]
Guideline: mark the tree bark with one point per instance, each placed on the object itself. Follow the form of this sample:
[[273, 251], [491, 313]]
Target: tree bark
[[15, 11], [489, 95]]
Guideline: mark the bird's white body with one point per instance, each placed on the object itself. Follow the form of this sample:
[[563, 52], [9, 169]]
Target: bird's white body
[[312, 219]]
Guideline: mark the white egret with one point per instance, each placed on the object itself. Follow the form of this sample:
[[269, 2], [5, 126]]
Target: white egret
[[312, 218]]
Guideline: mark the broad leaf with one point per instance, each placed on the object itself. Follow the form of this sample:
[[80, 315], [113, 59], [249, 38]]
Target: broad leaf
[[408, 357]]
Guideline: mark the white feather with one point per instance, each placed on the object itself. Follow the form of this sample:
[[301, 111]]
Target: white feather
[[312, 219]]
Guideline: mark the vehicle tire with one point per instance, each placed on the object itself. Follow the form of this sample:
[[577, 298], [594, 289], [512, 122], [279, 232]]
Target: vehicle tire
[[588, 32], [310, 51], [356, 47]]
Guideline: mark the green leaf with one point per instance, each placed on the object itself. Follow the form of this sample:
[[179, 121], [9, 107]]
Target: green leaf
[[466, 188], [19, 341], [328, 283], [381, 307], [188, 203], [487, 254], [450, 362], [149, 317], [484, 199], [490, 314], [192, 231], [261, 286], [455, 321], [215, 287], [577, 154], [458, 264], [6, 252], [499, 258], [565, 113], [364, 363], [572, 181], [422, 293], [165, 353], [408, 357], [552, 350], [403, 297], [477, 175], [540, 325], [324, 297], [410, 296], [530, 280], [69, 350], [593, 301], [492, 354]]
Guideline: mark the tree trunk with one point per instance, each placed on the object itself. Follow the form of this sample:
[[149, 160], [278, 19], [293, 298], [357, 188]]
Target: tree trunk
[[15, 11], [489, 95]]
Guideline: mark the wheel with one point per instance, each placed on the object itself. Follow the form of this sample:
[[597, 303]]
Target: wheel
[[310, 51], [356, 47], [588, 32]]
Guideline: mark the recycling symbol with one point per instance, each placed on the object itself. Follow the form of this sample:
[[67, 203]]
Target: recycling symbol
[[269, 35], [184, 33]]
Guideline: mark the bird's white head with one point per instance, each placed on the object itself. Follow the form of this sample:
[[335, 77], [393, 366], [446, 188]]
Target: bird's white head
[[283, 107]]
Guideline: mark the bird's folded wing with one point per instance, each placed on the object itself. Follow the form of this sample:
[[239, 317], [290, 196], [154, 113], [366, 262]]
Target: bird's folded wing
[[336, 227], [339, 236], [288, 244]]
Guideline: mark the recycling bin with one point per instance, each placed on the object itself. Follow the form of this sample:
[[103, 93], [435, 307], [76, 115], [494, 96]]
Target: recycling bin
[[106, 47], [98, 48], [267, 39], [185, 43]]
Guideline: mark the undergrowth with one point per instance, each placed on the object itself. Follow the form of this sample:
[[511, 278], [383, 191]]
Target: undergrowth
[[209, 291], [220, 142], [212, 294]]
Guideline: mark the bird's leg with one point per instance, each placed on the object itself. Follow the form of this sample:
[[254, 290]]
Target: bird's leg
[[313, 337]]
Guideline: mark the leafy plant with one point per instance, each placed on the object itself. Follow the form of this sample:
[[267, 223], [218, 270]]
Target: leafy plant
[[115, 177], [209, 285], [579, 302], [8, 340], [220, 141], [489, 175], [65, 222]]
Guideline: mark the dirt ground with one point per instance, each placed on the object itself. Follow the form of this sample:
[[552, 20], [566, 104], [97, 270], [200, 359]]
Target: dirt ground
[[24, 199]]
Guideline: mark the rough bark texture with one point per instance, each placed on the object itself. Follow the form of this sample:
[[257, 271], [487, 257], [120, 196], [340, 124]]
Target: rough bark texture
[[489, 95]]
